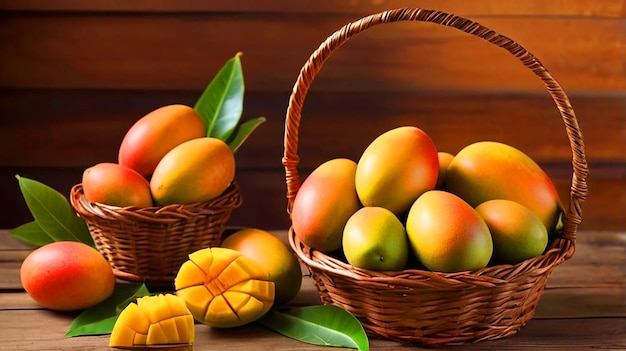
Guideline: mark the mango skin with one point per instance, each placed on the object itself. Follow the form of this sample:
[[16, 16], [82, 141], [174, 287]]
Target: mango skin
[[396, 168], [67, 276], [444, 161], [324, 203], [197, 170], [113, 184], [272, 254], [448, 235], [516, 232], [156, 133], [490, 170]]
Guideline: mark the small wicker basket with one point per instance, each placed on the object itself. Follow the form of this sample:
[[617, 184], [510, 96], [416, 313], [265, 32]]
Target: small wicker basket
[[149, 244], [424, 307]]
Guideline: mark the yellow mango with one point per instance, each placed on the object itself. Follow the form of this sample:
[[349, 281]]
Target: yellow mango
[[490, 170], [153, 320], [195, 171], [396, 168], [224, 289]]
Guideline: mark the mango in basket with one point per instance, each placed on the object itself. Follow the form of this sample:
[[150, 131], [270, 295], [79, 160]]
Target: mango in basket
[[448, 235], [272, 254], [445, 158], [153, 320], [375, 239], [323, 204], [197, 170], [517, 233], [396, 168], [224, 289], [113, 184], [489, 170], [155, 134]]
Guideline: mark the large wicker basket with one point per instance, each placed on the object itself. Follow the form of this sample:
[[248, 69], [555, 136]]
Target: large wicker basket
[[149, 244], [433, 308]]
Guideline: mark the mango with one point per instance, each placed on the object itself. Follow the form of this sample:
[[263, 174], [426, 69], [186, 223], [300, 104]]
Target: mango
[[113, 184], [516, 232], [156, 133], [445, 158], [161, 319], [273, 255], [396, 168], [223, 288], [197, 170], [490, 170], [446, 234], [67, 276], [375, 239], [323, 204]]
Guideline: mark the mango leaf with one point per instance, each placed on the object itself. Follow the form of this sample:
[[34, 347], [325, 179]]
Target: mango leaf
[[221, 102], [324, 325], [31, 233], [53, 213], [101, 318], [242, 132]]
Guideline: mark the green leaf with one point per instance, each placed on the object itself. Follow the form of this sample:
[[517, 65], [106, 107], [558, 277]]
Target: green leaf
[[53, 213], [221, 102], [243, 131], [101, 318], [324, 325], [31, 233]]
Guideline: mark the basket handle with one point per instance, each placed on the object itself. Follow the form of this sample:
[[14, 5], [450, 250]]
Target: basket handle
[[313, 65]]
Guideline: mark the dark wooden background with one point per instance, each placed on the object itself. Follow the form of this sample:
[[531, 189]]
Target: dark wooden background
[[75, 75]]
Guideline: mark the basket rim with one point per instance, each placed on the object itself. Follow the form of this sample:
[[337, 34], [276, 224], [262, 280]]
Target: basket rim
[[572, 216], [230, 199], [490, 276]]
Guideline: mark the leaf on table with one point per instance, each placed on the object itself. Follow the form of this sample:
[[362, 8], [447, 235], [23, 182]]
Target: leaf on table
[[101, 318], [242, 132], [53, 212], [324, 325], [31, 233], [221, 102]]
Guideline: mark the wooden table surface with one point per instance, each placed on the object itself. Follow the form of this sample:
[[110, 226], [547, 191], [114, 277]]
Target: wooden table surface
[[583, 308]]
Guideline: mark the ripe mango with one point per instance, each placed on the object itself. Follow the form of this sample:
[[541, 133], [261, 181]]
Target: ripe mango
[[272, 254], [396, 168], [67, 276], [153, 320], [489, 170], [516, 232], [197, 170], [444, 161], [323, 204], [113, 184], [224, 289], [446, 234], [153, 135]]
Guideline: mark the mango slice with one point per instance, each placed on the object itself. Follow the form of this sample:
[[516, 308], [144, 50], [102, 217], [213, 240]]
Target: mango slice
[[153, 320], [224, 289]]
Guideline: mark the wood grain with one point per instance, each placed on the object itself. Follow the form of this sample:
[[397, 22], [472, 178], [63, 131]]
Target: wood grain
[[124, 51], [582, 308], [607, 8]]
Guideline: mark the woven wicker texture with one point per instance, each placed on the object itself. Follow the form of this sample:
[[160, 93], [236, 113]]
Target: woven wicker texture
[[149, 244], [425, 307]]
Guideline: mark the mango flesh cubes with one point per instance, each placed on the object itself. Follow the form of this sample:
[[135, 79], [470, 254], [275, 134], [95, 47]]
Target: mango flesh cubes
[[224, 289], [153, 320]]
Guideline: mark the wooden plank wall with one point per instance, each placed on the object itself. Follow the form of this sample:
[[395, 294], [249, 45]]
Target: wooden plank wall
[[75, 75]]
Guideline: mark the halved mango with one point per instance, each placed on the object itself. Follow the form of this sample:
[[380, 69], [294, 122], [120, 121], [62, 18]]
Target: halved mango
[[224, 289], [153, 320]]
